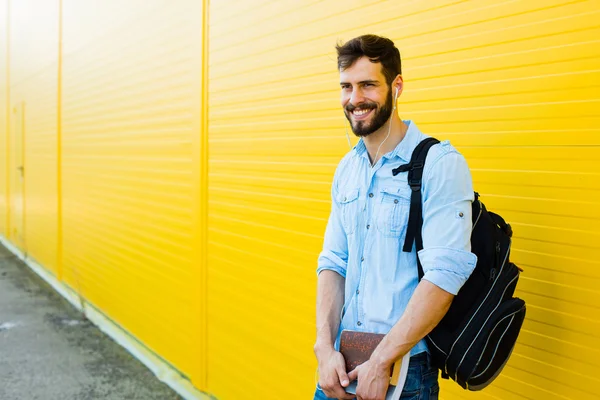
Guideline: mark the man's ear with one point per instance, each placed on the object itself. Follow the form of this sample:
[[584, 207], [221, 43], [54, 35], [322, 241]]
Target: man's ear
[[398, 85]]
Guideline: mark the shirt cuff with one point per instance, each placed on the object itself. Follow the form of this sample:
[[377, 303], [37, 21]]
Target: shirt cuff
[[339, 270], [329, 260], [447, 268]]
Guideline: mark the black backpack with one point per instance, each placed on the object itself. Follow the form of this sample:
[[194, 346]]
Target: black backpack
[[474, 340]]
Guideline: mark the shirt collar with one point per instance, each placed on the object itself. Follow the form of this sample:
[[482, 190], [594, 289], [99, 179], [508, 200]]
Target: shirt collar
[[360, 147], [403, 150]]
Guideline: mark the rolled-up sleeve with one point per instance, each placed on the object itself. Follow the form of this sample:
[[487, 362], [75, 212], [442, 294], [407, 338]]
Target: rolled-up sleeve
[[334, 255], [446, 257]]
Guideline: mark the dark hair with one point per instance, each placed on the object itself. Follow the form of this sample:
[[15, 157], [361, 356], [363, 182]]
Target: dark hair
[[377, 49]]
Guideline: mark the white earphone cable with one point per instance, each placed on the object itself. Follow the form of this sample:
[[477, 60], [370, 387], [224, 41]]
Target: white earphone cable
[[347, 135], [389, 130]]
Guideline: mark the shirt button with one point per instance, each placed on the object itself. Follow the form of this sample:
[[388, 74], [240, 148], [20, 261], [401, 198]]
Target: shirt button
[[370, 194], [461, 214], [362, 259], [359, 323], [368, 226], [357, 291], [395, 201]]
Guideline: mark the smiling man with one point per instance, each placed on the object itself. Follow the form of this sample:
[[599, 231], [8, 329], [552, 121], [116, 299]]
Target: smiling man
[[365, 281]]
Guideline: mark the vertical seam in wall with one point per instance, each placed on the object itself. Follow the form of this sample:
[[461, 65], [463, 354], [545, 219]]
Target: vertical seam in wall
[[204, 189], [23, 180], [59, 235], [8, 114]]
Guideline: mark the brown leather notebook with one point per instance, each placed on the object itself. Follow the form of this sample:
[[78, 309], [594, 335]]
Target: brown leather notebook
[[357, 347]]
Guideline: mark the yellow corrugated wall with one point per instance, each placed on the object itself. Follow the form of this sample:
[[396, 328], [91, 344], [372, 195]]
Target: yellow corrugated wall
[[4, 109], [130, 129], [513, 84], [115, 134], [19, 71], [108, 97], [33, 93], [519, 95]]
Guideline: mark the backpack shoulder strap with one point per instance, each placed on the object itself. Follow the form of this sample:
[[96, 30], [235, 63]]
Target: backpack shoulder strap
[[415, 180]]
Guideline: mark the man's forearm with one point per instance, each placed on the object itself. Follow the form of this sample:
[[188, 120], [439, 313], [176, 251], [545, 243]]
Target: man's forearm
[[330, 299], [425, 310]]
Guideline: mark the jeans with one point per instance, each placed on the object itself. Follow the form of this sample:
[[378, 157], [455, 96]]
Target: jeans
[[421, 381]]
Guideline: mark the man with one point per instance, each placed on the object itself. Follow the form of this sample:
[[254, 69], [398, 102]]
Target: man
[[365, 281]]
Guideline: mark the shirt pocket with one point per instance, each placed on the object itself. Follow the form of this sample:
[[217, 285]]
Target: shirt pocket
[[393, 211], [348, 200]]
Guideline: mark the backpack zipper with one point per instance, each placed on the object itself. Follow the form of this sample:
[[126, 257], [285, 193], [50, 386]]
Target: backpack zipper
[[493, 270], [512, 317], [488, 317], [475, 313]]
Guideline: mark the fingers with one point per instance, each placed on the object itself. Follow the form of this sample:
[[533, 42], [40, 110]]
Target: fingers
[[343, 377], [353, 375], [334, 378], [336, 392], [334, 389]]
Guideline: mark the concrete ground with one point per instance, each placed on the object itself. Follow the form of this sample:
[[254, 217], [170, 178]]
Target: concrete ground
[[49, 351]]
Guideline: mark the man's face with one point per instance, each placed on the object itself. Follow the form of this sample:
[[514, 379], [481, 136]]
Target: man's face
[[366, 97]]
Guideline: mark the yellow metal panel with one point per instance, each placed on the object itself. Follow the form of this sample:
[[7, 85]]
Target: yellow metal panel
[[200, 176], [4, 113], [513, 84], [17, 201], [131, 100], [32, 91], [34, 42]]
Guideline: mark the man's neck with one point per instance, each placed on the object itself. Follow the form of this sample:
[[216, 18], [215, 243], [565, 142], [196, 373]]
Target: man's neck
[[397, 133]]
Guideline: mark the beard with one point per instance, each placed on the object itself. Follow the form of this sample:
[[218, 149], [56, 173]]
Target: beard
[[379, 118]]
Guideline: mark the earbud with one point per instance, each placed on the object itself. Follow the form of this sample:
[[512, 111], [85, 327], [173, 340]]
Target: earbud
[[396, 97]]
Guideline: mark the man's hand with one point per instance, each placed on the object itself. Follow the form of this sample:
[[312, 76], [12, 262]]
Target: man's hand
[[332, 374], [373, 381]]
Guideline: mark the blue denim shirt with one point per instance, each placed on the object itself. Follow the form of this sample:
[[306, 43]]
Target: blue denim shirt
[[367, 227]]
